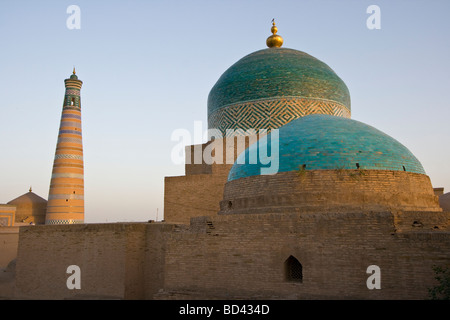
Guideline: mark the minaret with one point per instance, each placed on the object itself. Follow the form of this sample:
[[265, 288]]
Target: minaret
[[66, 195]]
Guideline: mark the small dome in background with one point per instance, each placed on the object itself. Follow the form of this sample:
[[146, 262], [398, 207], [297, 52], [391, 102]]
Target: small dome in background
[[30, 208], [28, 198]]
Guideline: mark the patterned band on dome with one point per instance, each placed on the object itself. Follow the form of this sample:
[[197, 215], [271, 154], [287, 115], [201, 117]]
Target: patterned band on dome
[[271, 113]]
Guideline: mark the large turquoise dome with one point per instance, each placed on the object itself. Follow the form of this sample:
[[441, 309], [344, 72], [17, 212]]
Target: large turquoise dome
[[271, 87], [324, 142]]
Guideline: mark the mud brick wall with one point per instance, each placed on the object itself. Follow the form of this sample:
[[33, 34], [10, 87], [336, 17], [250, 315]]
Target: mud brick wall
[[330, 191], [242, 256], [110, 257], [238, 257]]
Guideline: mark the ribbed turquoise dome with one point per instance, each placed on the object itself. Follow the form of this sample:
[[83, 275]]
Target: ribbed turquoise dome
[[324, 142], [277, 72]]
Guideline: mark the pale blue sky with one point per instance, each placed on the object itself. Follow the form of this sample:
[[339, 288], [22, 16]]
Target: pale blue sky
[[148, 66]]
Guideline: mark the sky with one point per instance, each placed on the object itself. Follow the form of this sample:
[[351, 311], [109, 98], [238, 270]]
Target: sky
[[147, 68]]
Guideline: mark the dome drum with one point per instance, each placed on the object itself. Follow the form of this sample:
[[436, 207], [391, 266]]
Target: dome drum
[[331, 191], [30, 208], [271, 113]]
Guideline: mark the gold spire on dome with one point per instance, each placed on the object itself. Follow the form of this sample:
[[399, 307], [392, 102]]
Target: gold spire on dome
[[73, 70], [274, 40], [31, 189]]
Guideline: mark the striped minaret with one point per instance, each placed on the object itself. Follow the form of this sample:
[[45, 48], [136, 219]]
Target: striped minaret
[[66, 195]]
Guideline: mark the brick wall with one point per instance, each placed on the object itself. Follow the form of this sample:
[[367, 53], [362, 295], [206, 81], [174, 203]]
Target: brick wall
[[242, 256], [200, 191], [110, 257], [330, 191], [31, 212], [9, 239], [192, 196], [238, 256]]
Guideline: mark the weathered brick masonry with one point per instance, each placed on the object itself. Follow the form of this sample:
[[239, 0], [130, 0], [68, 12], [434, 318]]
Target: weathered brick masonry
[[330, 191], [200, 191], [238, 256], [110, 257]]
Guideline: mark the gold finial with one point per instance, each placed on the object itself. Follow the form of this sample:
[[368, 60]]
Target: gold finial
[[274, 28], [30, 189], [274, 40], [73, 70]]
